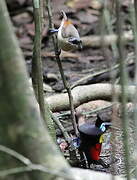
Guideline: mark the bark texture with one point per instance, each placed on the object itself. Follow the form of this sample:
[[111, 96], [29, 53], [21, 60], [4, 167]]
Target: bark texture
[[22, 128], [83, 94]]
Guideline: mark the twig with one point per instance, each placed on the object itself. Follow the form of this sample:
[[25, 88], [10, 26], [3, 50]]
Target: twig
[[63, 130], [66, 85], [93, 75], [30, 166], [13, 153], [88, 114], [34, 167], [134, 169]]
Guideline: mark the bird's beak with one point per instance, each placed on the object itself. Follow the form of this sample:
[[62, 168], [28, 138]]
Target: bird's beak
[[107, 123]]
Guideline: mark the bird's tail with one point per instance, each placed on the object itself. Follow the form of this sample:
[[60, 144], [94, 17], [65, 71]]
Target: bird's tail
[[64, 15]]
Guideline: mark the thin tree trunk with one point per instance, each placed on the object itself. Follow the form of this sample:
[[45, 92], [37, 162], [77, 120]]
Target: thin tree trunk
[[123, 83], [22, 128], [37, 75]]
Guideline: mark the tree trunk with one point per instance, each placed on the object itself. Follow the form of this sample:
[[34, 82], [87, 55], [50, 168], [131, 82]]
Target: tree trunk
[[22, 128], [37, 75]]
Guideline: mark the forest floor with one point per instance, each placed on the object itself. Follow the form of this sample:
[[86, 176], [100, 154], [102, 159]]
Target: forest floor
[[76, 64]]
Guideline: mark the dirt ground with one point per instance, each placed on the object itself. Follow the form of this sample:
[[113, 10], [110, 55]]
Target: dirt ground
[[76, 64]]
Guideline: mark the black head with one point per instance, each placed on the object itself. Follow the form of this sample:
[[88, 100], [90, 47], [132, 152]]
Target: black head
[[76, 41], [99, 121], [103, 125]]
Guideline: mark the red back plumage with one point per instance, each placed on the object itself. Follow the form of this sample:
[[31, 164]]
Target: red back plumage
[[95, 151]]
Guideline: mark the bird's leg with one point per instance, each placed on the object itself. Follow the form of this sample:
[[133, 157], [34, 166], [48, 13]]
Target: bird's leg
[[58, 52], [101, 162], [83, 159]]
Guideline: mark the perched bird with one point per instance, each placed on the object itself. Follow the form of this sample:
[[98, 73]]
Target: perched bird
[[68, 36], [91, 137]]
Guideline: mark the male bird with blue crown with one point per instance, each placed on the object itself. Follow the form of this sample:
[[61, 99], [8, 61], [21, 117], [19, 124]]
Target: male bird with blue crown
[[91, 137]]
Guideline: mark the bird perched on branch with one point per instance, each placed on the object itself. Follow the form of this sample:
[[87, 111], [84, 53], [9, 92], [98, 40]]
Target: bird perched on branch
[[68, 36], [91, 137]]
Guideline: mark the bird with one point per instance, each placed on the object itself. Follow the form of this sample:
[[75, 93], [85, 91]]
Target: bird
[[91, 138], [67, 35]]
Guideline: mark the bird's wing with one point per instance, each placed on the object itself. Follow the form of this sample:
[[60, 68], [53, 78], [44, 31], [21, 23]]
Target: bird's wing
[[70, 31]]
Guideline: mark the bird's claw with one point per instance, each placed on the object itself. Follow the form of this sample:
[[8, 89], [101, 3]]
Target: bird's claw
[[101, 162], [58, 52]]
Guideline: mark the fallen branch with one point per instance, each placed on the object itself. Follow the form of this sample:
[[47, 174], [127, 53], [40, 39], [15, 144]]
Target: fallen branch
[[96, 77], [83, 94], [95, 41]]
